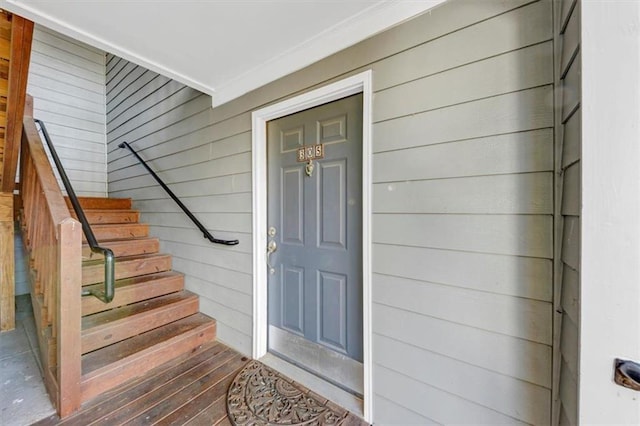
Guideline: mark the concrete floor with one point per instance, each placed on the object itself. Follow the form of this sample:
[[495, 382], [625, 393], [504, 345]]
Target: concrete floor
[[23, 398]]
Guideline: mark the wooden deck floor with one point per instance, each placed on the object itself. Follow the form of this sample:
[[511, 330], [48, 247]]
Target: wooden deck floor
[[190, 391]]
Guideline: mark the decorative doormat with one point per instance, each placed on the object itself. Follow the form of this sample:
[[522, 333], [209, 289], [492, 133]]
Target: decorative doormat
[[261, 396]]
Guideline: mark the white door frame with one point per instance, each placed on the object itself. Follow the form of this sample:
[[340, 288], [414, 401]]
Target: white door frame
[[360, 83]]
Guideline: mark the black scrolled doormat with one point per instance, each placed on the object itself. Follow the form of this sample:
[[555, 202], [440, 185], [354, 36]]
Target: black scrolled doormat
[[260, 396]]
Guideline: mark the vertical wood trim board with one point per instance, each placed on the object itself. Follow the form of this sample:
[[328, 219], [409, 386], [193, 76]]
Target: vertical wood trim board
[[67, 82], [567, 213], [462, 144]]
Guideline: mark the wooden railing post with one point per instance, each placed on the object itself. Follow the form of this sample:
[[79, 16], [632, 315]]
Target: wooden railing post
[[69, 316]]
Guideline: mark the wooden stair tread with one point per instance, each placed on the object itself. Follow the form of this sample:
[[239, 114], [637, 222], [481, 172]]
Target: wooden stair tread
[[128, 247], [115, 364], [120, 231], [126, 267], [109, 216], [102, 203], [108, 327], [135, 289]]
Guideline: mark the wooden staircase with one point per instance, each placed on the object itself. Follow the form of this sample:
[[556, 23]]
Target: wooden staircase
[[152, 318]]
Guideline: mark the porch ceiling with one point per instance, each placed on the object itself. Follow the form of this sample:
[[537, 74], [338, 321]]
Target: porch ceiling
[[222, 47]]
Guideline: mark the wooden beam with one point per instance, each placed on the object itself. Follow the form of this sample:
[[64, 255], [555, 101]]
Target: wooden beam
[[21, 39], [7, 272]]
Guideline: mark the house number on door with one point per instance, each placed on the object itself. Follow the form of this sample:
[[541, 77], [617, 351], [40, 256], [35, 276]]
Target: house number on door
[[307, 154]]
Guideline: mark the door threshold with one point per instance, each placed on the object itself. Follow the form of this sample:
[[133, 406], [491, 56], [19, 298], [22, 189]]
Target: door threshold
[[327, 390]]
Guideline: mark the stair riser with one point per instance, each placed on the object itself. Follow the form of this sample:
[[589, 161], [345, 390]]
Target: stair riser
[[124, 248], [132, 326], [110, 217], [118, 232], [126, 269], [100, 381], [133, 293], [99, 203]]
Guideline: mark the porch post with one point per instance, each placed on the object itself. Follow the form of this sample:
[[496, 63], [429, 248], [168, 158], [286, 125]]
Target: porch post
[[7, 273]]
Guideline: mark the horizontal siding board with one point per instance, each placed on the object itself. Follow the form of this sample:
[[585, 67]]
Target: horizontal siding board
[[526, 193], [37, 68], [192, 132], [114, 61], [54, 48], [61, 131], [221, 203], [230, 336], [56, 87], [69, 100], [194, 237], [184, 103], [185, 158], [518, 358], [233, 299], [516, 235], [387, 412], [509, 72], [571, 204], [118, 74], [508, 153], [128, 86], [507, 275], [135, 92], [223, 314], [513, 112], [156, 115], [75, 115], [444, 407], [49, 116], [75, 47], [234, 280], [140, 186], [74, 72], [211, 254], [233, 222], [514, 316], [521, 400], [148, 98], [523, 27]]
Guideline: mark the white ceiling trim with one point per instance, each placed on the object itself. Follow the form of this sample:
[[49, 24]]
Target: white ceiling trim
[[347, 32], [338, 37]]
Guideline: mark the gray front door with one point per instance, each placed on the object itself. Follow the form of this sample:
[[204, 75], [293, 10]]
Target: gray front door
[[315, 228]]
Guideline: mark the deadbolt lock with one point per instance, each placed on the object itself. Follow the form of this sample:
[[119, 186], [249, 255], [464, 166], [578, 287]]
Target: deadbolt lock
[[272, 231]]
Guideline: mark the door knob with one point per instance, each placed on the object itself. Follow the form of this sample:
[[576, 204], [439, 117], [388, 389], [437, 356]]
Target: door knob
[[271, 248]]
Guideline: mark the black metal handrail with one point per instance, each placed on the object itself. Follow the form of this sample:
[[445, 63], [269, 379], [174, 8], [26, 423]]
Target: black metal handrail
[[184, 208], [109, 260]]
